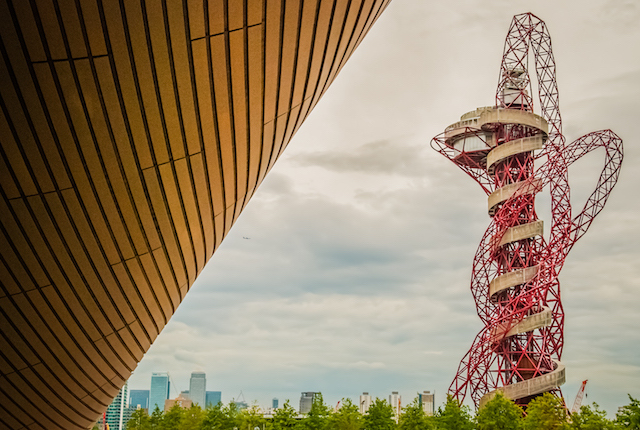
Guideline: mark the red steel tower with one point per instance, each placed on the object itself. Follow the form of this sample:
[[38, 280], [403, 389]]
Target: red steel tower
[[514, 154]]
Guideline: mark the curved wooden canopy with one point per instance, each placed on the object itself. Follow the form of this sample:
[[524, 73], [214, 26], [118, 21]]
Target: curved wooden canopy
[[133, 133]]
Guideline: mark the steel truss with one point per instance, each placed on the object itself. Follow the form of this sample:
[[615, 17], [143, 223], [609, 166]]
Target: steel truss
[[514, 280]]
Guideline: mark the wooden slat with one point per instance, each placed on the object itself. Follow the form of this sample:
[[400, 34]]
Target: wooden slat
[[132, 136]]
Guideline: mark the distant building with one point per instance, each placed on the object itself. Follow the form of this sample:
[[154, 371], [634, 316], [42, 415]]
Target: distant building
[[365, 403], [240, 404], [306, 400], [212, 398], [198, 388], [427, 400], [126, 415], [395, 400], [159, 390], [115, 415], [181, 400], [139, 398], [274, 403]]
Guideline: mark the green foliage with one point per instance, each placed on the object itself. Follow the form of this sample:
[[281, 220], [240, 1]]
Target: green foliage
[[414, 418], [213, 418], [546, 412], [192, 418], [380, 416], [588, 418], [139, 420], [347, 417], [250, 418], [499, 413], [284, 417], [454, 416], [220, 417], [628, 416], [155, 421], [172, 419], [318, 416]]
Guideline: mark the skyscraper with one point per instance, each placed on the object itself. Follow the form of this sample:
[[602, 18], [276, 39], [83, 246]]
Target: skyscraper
[[198, 388], [306, 400], [115, 411], [139, 398], [213, 398], [395, 401], [159, 390], [274, 403], [365, 403], [426, 399]]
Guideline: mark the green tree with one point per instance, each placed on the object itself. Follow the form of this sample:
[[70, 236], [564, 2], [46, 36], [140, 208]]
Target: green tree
[[284, 417], [380, 416], [156, 420], [192, 418], [590, 418], [628, 416], [139, 420], [213, 418], [250, 418], [173, 418], [414, 418], [220, 417], [347, 417], [454, 416], [318, 416], [546, 412], [499, 413]]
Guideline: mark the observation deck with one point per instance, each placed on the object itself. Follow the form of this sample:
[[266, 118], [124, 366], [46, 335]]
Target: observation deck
[[473, 136]]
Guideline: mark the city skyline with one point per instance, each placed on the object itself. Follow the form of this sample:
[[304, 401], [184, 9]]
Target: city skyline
[[175, 391], [360, 240]]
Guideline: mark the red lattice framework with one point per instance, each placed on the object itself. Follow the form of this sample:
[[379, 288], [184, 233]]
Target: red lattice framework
[[515, 270]]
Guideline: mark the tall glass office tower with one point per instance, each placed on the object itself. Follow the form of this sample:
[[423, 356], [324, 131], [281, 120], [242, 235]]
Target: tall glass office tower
[[159, 390], [213, 398], [115, 415], [198, 388], [139, 398]]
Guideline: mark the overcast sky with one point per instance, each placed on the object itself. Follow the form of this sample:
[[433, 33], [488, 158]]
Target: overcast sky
[[356, 273]]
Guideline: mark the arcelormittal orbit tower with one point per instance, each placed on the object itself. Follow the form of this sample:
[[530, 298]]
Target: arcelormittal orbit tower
[[514, 154]]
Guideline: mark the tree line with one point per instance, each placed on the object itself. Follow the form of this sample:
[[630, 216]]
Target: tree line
[[544, 412]]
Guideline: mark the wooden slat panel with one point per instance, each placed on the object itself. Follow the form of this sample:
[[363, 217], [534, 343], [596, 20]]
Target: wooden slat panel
[[131, 140]]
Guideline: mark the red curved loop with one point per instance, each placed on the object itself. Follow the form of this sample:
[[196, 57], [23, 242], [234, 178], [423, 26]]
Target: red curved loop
[[612, 144]]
